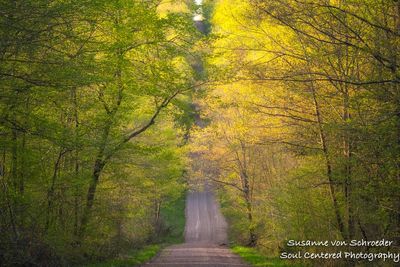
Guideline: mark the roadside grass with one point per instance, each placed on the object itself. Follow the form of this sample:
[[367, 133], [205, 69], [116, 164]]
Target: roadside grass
[[174, 219], [253, 257], [132, 258]]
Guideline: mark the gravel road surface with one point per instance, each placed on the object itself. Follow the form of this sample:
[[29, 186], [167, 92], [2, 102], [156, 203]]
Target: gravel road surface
[[205, 237]]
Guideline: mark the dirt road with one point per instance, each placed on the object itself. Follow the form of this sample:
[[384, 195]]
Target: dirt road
[[205, 236], [206, 228]]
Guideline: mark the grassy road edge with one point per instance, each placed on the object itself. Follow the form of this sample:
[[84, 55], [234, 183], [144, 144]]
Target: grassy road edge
[[174, 219]]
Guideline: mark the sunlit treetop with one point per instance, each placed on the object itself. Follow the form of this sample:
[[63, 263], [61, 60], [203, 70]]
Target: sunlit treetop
[[167, 6]]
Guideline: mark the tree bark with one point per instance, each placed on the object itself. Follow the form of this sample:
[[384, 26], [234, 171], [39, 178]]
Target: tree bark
[[97, 169], [244, 177], [347, 168], [328, 164], [397, 110], [50, 192]]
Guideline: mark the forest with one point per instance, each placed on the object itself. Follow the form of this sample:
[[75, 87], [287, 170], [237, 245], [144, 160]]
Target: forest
[[100, 102]]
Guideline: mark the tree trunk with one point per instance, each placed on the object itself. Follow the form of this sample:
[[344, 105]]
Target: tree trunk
[[397, 104], [328, 164], [247, 193], [347, 167], [101, 159], [14, 158], [50, 193], [21, 184], [97, 169], [157, 213]]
